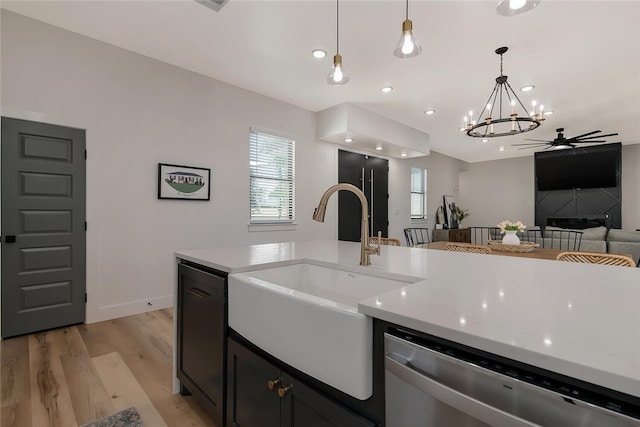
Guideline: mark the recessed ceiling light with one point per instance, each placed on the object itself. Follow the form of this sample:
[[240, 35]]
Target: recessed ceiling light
[[548, 113], [387, 89], [501, 148], [527, 88], [348, 140], [429, 112], [379, 147], [485, 140], [403, 154], [318, 53], [516, 7], [462, 129]]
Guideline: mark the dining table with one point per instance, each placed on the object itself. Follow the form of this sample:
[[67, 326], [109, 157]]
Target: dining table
[[536, 252]]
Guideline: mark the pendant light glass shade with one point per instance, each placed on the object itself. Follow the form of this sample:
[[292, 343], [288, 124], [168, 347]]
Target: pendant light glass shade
[[337, 76], [407, 46]]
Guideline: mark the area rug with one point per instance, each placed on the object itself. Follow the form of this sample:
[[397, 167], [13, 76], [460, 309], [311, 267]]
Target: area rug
[[125, 418]]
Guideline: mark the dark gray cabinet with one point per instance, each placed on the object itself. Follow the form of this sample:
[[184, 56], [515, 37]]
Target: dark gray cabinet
[[261, 394], [202, 324]]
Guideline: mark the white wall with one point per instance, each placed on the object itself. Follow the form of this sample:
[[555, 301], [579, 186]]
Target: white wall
[[442, 179], [138, 112], [631, 187], [497, 190]]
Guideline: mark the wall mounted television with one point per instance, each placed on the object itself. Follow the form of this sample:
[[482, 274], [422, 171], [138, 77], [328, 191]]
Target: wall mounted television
[[596, 166]]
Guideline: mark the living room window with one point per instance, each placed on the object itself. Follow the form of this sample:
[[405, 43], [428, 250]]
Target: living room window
[[271, 178], [418, 193]]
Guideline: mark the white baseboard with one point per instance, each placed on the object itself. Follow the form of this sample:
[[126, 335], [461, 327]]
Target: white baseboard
[[115, 311]]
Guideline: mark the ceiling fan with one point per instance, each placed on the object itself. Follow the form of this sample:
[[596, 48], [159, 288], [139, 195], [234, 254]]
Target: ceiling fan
[[562, 142]]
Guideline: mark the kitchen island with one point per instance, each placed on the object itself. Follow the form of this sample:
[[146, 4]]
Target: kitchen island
[[578, 320]]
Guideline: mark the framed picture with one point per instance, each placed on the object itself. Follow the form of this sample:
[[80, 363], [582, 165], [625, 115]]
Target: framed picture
[[183, 182], [449, 204]]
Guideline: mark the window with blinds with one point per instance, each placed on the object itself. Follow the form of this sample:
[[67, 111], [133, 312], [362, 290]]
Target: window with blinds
[[272, 173], [418, 193]]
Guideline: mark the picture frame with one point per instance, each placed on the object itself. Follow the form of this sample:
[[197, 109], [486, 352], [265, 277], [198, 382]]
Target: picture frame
[[178, 182], [449, 202]]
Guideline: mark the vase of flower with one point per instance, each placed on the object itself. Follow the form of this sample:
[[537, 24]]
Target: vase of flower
[[509, 229], [510, 238]]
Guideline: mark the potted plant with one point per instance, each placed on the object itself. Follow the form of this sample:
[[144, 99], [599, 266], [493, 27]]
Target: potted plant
[[459, 214]]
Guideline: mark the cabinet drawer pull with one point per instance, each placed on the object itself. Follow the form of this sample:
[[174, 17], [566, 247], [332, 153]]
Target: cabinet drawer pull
[[282, 391], [197, 292], [271, 384]]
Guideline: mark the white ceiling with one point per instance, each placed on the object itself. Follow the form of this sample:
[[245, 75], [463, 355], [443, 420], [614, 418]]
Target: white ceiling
[[582, 56]]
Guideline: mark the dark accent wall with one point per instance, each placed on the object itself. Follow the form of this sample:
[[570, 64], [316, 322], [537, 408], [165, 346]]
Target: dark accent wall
[[581, 203], [585, 205]]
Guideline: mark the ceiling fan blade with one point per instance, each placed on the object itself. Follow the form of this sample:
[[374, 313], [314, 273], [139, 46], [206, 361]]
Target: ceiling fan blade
[[586, 134], [534, 144], [540, 140], [597, 136], [583, 142]]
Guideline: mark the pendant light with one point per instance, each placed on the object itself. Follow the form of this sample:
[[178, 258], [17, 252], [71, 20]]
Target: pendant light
[[408, 46], [337, 76]]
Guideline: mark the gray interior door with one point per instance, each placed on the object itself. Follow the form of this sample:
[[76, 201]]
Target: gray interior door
[[43, 226]]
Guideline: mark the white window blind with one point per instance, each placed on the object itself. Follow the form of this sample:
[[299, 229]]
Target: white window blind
[[418, 193], [272, 173]]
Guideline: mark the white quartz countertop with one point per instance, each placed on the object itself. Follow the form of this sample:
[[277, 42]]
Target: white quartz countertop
[[579, 320]]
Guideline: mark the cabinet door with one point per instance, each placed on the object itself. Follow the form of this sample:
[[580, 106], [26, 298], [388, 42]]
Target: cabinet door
[[304, 407], [251, 403], [201, 329]]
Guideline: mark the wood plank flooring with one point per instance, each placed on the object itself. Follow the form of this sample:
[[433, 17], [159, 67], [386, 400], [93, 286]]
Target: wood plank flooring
[[70, 376]]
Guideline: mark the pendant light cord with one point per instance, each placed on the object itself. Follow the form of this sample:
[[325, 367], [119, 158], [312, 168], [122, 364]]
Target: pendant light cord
[[407, 10], [338, 27]]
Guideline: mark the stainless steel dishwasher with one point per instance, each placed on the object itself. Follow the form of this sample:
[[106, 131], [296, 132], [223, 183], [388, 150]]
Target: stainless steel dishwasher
[[435, 383]]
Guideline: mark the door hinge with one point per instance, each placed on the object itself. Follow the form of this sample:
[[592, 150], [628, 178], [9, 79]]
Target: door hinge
[[85, 297], [85, 154], [85, 226]]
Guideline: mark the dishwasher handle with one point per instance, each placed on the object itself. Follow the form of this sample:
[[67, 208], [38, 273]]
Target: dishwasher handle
[[467, 404]]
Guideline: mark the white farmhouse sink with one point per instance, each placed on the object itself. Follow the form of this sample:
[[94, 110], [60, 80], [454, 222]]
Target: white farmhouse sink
[[306, 315]]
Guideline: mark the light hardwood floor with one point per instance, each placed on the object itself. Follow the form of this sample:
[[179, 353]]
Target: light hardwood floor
[[71, 376]]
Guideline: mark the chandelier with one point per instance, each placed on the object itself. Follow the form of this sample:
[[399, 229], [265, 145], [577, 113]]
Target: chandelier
[[502, 100]]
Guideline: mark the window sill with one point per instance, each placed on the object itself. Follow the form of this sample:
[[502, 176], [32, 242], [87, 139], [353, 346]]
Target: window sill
[[272, 227]]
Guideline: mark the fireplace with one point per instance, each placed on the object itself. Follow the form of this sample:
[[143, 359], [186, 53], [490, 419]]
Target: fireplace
[[579, 223]]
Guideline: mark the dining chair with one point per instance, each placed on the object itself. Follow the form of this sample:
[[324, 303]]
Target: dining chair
[[465, 247], [416, 236], [482, 235], [391, 241], [533, 235], [596, 258], [564, 240]]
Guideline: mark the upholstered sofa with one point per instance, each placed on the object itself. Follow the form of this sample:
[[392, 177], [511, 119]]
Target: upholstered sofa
[[600, 239]]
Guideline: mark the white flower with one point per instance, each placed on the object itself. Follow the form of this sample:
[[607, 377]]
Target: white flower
[[507, 225]]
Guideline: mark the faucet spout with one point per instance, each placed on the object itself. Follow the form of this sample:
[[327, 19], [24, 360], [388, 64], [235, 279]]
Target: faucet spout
[[318, 215]]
